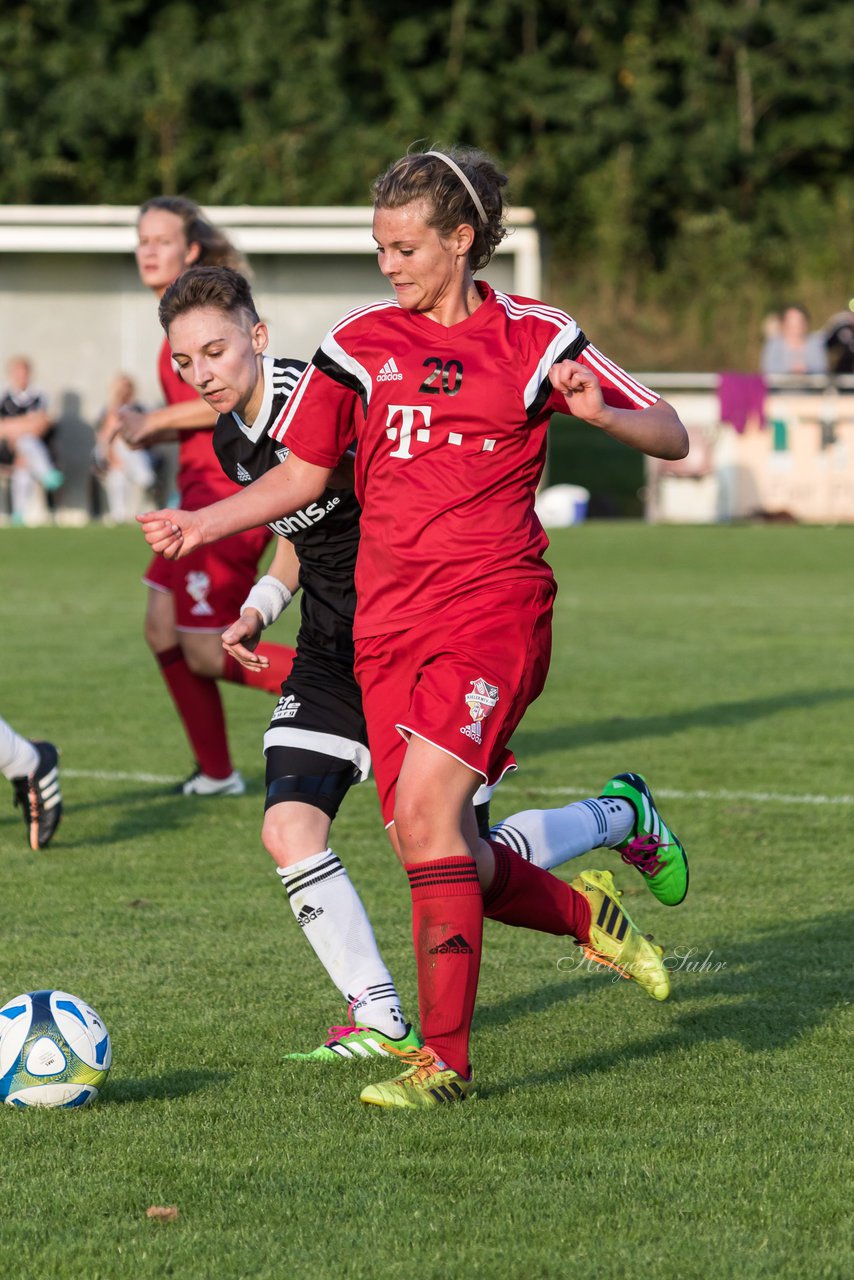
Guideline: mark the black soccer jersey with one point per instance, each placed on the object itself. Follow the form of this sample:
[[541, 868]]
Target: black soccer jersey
[[13, 404], [325, 534]]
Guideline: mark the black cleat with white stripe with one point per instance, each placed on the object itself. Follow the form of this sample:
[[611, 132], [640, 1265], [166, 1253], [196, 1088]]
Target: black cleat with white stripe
[[40, 796]]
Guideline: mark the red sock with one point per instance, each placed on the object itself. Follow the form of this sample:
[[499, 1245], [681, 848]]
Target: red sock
[[270, 678], [524, 895], [447, 928], [199, 705]]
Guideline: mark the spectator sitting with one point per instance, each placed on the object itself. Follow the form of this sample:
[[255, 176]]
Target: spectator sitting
[[25, 427], [839, 338], [122, 471], [794, 349]]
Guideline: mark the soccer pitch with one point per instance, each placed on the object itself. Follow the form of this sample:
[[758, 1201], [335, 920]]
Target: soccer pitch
[[706, 1137]]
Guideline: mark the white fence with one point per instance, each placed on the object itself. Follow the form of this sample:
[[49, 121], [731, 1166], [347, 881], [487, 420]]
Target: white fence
[[797, 462]]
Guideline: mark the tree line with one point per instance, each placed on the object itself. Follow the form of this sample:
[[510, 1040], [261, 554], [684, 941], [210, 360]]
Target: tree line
[[689, 163]]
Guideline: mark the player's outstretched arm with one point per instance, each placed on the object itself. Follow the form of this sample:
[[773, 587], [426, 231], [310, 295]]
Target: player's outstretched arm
[[656, 430], [280, 492], [138, 429]]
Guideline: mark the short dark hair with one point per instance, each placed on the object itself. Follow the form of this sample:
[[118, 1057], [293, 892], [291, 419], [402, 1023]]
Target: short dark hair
[[197, 287]]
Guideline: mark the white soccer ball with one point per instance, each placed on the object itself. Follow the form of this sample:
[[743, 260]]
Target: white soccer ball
[[54, 1051]]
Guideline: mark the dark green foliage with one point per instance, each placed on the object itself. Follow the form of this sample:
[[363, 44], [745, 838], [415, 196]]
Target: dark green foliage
[[677, 155]]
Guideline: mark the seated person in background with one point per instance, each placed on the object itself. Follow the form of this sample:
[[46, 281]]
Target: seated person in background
[[794, 349], [24, 428], [839, 340], [123, 471]]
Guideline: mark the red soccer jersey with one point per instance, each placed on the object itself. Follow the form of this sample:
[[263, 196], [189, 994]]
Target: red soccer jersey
[[451, 426], [200, 478]]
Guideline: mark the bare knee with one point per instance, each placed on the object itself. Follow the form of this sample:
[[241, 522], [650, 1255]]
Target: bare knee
[[159, 634], [293, 831], [159, 626], [203, 653], [200, 663], [415, 822]]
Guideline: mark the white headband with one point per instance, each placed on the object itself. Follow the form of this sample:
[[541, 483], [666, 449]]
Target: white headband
[[463, 179]]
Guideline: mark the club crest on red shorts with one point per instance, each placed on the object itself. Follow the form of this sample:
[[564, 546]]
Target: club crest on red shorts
[[198, 586], [480, 702]]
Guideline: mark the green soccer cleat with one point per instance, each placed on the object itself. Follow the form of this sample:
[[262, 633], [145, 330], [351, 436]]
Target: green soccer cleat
[[615, 940], [652, 847], [357, 1042], [426, 1082]]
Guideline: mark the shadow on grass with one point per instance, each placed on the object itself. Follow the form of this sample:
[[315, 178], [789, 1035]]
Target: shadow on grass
[[520, 1005], [777, 986], [717, 715], [140, 813], [176, 1084]]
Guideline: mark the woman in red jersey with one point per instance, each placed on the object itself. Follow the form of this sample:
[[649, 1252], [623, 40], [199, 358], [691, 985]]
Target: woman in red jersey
[[189, 605], [448, 391]]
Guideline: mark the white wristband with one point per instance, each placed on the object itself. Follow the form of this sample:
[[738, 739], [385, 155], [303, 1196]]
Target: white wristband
[[269, 597]]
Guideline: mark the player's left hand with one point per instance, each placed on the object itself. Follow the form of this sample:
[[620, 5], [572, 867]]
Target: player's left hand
[[581, 388], [241, 638]]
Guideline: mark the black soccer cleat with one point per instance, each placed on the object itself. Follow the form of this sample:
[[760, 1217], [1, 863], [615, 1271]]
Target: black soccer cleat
[[40, 796]]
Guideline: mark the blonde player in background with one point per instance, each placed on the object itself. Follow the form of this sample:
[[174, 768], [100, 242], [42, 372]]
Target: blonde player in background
[[190, 605]]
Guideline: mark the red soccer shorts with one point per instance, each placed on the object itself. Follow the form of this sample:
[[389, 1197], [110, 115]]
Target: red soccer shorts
[[210, 584], [461, 681]]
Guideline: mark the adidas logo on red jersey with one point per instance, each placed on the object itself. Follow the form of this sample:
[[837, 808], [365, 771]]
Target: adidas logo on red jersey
[[390, 372], [472, 731]]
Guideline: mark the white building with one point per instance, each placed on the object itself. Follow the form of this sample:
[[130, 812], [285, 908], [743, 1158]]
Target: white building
[[70, 298]]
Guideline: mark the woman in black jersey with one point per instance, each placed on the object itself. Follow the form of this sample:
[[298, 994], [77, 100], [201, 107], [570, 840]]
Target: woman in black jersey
[[316, 744]]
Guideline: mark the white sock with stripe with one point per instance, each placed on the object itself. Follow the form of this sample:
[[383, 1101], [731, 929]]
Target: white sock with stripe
[[331, 915], [549, 837], [18, 757]]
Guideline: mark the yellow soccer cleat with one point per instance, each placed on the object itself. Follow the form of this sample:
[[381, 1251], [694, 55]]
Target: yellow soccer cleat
[[426, 1082], [615, 940]]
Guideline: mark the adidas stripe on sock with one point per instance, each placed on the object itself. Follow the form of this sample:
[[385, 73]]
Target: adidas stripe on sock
[[549, 837], [331, 915]]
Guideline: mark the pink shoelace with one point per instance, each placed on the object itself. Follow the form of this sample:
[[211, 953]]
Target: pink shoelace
[[352, 1028], [338, 1033], [642, 852]]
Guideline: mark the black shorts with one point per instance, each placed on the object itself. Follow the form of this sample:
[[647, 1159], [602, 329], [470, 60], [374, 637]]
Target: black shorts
[[320, 711]]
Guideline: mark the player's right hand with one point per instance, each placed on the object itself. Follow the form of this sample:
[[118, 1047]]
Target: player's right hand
[[171, 533]]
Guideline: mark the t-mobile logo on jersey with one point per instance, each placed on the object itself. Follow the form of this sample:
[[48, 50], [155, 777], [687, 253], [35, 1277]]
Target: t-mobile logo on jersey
[[403, 434], [408, 432]]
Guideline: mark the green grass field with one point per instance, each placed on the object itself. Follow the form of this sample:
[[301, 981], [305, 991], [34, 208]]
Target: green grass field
[[707, 1137]]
